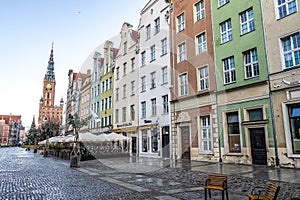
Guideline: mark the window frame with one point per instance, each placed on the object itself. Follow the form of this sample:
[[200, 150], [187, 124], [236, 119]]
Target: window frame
[[183, 84], [143, 83], [285, 5], [165, 100], [164, 46], [252, 66], [199, 11], [165, 76], [223, 2], [204, 79], [291, 51], [236, 149], [205, 128], [180, 19], [227, 32], [153, 79], [148, 31], [201, 43], [231, 71], [143, 110], [249, 22], [152, 53], [157, 25], [181, 52], [153, 107]]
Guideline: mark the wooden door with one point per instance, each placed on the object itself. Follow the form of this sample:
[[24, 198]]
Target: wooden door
[[258, 146], [185, 142]]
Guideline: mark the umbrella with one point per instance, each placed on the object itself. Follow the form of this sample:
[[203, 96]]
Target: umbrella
[[102, 137], [87, 137], [115, 136]]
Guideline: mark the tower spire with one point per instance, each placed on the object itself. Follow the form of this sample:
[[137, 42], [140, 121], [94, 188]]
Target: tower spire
[[50, 69]]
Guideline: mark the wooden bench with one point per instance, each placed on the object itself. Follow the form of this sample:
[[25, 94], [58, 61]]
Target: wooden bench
[[271, 193], [216, 182]]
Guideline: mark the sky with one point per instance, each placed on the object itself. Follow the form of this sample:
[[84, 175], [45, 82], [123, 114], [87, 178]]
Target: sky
[[27, 30]]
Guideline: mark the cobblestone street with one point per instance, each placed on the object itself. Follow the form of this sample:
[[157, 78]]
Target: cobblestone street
[[25, 175]]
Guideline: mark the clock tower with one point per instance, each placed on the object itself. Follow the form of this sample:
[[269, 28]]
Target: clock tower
[[48, 112]]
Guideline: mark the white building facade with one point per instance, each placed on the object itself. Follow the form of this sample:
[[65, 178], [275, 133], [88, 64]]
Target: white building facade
[[154, 81], [126, 92]]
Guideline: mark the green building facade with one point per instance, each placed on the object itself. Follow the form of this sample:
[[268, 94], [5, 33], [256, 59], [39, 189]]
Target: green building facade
[[244, 113]]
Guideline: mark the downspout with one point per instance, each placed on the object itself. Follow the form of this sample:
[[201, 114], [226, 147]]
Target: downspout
[[270, 93], [216, 92]]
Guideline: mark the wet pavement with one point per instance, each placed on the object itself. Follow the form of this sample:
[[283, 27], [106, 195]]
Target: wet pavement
[[25, 175]]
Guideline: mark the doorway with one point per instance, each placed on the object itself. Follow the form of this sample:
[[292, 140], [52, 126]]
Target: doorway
[[185, 142], [258, 146], [165, 142], [133, 145]]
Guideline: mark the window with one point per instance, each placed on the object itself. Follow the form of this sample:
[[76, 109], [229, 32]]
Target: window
[[294, 118], [180, 23], [181, 52], [143, 56], [117, 73], [183, 84], [124, 91], [251, 63], [223, 2], [109, 102], [106, 84], [132, 113], [164, 47], [199, 10], [226, 31], [255, 114], [132, 87], [153, 107], [117, 116], [132, 64], [157, 25], [164, 75], [154, 140], [233, 132], [143, 81], [229, 70], [144, 141], [110, 83], [117, 94], [286, 7], [105, 104], [102, 105], [124, 68], [201, 43], [165, 104], [125, 47], [203, 78], [124, 114], [109, 120], [291, 50], [153, 80], [152, 49], [206, 133], [106, 68], [148, 32], [143, 105], [247, 21], [103, 87]]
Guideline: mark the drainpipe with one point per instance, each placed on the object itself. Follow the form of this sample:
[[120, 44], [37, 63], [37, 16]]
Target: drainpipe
[[216, 92], [270, 93]]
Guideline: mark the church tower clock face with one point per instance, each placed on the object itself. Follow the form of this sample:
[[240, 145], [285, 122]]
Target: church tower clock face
[[48, 86]]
